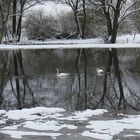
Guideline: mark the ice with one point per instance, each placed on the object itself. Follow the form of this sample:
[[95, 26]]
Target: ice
[[19, 134], [84, 115], [2, 122], [49, 125], [2, 112], [41, 121], [105, 130], [33, 113]]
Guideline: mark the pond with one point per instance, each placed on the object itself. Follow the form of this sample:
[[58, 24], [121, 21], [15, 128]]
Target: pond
[[79, 88]]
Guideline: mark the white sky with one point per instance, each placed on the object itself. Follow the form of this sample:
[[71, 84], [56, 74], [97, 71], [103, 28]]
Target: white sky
[[51, 8]]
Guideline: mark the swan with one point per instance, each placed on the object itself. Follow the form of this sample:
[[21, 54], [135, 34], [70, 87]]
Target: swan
[[99, 71], [61, 74]]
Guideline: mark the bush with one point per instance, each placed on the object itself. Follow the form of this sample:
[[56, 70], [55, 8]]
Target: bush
[[40, 26]]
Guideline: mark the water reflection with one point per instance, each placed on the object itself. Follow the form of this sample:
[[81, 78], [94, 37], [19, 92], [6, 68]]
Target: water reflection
[[51, 90], [55, 91]]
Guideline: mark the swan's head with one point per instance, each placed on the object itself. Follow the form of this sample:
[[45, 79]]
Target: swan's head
[[97, 69]]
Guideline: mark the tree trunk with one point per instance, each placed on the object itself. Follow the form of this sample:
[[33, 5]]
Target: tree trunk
[[23, 74], [19, 26], [3, 75], [17, 80], [14, 18], [85, 78], [84, 20], [105, 82], [79, 78], [77, 23], [1, 32], [118, 75]]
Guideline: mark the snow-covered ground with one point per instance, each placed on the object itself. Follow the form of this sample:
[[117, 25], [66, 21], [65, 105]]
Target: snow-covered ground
[[56, 123], [124, 41]]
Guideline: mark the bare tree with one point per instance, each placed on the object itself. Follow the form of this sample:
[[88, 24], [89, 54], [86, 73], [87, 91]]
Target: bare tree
[[18, 8], [114, 12], [5, 6], [75, 6], [135, 18]]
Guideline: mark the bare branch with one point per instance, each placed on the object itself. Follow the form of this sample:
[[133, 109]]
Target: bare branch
[[130, 6], [128, 14]]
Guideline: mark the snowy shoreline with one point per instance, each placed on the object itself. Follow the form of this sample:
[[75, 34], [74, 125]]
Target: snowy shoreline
[[66, 46], [51, 122], [124, 41]]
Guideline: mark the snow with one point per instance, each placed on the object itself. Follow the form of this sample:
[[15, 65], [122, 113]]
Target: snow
[[49, 125], [84, 115], [107, 129], [2, 122], [88, 113], [69, 41], [19, 134], [55, 122], [129, 135], [32, 114], [128, 39], [2, 112], [13, 127], [124, 41], [95, 135], [137, 132], [66, 46]]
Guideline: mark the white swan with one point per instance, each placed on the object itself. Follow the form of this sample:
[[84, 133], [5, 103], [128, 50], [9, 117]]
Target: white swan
[[99, 71], [61, 74]]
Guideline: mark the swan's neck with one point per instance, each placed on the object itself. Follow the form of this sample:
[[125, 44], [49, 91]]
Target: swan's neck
[[57, 71], [97, 69]]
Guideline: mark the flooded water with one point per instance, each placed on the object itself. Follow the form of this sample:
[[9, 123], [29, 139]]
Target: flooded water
[[76, 89], [53, 91], [60, 91]]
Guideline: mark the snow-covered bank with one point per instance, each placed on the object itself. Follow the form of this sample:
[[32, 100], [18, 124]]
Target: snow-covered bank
[[67, 46], [124, 41], [56, 122]]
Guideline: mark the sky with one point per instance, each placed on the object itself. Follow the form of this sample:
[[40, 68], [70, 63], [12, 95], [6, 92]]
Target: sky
[[51, 8]]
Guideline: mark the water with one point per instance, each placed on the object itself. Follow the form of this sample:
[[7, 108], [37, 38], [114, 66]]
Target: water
[[52, 91]]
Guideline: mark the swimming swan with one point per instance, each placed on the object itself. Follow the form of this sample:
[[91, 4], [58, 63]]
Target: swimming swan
[[99, 71], [61, 74]]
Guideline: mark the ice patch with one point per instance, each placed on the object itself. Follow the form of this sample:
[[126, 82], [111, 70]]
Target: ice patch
[[33, 113], [2, 112], [97, 135], [20, 134], [89, 112], [84, 115], [2, 122], [13, 127], [49, 125], [110, 127], [130, 135]]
